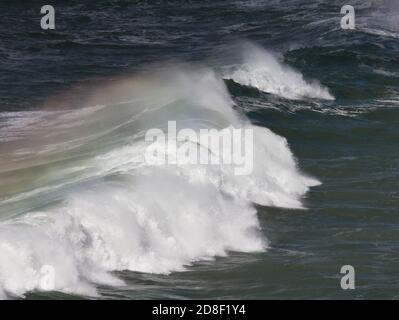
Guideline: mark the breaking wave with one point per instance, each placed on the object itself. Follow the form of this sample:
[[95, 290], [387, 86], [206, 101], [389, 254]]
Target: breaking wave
[[80, 198], [262, 70]]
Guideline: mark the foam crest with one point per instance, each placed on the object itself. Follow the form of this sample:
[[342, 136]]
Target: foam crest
[[262, 70], [120, 213]]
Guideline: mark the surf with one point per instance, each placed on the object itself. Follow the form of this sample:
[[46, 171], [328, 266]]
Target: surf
[[97, 207], [262, 70]]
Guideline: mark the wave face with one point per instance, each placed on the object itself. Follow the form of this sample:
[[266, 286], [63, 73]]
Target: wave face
[[262, 70], [107, 210]]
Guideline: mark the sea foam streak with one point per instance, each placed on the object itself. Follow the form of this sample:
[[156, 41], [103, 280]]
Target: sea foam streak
[[107, 210], [262, 70]]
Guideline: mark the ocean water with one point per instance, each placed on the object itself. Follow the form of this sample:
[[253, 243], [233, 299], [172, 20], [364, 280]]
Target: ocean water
[[77, 196]]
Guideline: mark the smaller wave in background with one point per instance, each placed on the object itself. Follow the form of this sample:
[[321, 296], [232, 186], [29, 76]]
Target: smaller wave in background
[[262, 70]]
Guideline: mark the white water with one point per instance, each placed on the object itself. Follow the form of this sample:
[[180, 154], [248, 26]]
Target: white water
[[262, 70], [120, 214]]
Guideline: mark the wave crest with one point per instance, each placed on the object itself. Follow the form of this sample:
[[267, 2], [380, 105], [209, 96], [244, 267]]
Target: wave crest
[[262, 70], [111, 213]]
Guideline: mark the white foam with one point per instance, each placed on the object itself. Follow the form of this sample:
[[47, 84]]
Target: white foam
[[262, 70], [151, 219]]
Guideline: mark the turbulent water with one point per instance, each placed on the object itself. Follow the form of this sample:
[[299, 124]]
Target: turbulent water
[[76, 193]]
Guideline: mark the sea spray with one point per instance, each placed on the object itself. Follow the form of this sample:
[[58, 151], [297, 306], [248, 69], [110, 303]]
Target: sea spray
[[101, 208], [262, 70]]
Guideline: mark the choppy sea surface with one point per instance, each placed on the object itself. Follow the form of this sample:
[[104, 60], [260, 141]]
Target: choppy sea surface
[[77, 196]]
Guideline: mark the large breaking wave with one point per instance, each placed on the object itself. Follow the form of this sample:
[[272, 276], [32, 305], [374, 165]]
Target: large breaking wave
[[78, 196]]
